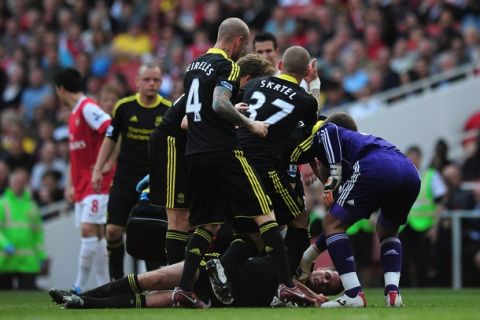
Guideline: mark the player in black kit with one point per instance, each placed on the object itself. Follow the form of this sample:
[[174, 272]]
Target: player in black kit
[[134, 119], [221, 182], [167, 177], [254, 284], [282, 103]]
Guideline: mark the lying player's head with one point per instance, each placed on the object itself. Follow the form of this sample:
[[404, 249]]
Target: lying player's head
[[342, 119], [254, 66], [234, 33], [149, 79], [68, 81], [295, 62], [325, 281]]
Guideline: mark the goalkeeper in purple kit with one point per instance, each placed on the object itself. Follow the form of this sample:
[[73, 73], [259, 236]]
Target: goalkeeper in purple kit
[[362, 174]]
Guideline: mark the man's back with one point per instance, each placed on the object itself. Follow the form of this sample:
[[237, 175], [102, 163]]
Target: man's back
[[207, 131], [282, 103]]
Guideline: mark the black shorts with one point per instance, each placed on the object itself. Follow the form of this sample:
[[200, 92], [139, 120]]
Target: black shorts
[[122, 198], [168, 180], [287, 205], [223, 184]]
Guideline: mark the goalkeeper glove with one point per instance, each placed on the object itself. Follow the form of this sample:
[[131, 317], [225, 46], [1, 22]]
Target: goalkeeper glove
[[332, 184]]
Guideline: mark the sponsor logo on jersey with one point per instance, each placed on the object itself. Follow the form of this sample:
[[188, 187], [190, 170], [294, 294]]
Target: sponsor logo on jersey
[[158, 120]]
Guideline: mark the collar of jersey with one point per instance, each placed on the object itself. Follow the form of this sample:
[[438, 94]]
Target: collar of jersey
[[159, 99], [287, 77], [218, 51]]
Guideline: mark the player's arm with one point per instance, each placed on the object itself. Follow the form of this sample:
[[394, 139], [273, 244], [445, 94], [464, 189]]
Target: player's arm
[[222, 105], [330, 141], [107, 149], [314, 82]]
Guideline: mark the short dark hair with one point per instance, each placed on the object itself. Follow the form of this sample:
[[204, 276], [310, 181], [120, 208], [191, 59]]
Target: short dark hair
[[266, 36], [342, 119], [70, 79]]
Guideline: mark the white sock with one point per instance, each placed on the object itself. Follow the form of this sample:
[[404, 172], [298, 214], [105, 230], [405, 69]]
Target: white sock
[[88, 247], [100, 263], [392, 278]]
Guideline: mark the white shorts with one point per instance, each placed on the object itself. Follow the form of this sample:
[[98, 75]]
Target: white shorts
[[92, 209]]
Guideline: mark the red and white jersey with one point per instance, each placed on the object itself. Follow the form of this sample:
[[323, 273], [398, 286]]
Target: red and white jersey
[[87, 125]]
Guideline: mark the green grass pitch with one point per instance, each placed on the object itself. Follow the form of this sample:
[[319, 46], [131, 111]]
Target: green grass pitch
[[428, 304]]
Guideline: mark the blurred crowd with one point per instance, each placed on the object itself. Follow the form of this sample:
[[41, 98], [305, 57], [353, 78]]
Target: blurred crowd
[[362, 48]]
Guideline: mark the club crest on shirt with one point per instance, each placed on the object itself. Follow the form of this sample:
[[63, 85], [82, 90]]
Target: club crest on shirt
[[181, 197], [158, 120]]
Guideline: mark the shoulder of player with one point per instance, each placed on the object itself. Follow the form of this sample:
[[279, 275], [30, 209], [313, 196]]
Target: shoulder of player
[[122, 103], [165, 102]]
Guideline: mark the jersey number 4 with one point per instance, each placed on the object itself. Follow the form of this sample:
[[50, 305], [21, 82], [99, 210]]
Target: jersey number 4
[[285, 108], [193, 101]]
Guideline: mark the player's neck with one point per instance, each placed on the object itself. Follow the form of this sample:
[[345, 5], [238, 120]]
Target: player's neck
[[225, 47], [72, 99], [147, 100]]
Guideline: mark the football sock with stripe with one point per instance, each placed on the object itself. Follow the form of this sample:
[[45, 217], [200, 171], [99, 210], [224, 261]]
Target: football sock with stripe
[[196, 248], [391, 256], [239, 251], [275, 247], [117, 301], [126, 285], [341, 252], [116, 252], [175, 243]]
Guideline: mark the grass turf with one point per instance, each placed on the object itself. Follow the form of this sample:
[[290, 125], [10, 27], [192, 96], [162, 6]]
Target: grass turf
[[423, 304]]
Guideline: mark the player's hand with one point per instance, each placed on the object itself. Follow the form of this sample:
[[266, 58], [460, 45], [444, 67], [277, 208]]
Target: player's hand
[[97, 178], [241, 106], [68, 194], [143, 184], [259, 128], [328, 197], [308, 176], [306, 264], [312, 73]]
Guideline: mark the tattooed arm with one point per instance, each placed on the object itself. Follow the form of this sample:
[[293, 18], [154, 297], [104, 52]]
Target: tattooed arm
[[224, 108]]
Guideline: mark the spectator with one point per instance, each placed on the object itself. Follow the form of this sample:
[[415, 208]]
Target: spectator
[[355, 79], [16, 157], [390, 79], [48, 162], [14, 87], [440, 157], [21, 235], [49, 190], [133, 44], [456, 198], [4, 173], [37, 93], [420, 234]]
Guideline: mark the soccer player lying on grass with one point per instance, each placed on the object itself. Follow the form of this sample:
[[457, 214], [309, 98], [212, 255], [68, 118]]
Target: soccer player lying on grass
[[253, 284]]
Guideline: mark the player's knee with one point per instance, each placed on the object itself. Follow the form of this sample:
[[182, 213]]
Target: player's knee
[[114, 232], [178, 220], [332, 225], [88, 230]]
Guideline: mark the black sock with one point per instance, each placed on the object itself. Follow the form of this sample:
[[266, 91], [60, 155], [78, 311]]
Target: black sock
[[116, 252], [239, 251], [275, 247], [127, 285], [117, 301], [197, 246], [175, 243], [151, 265], [297, 241]]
